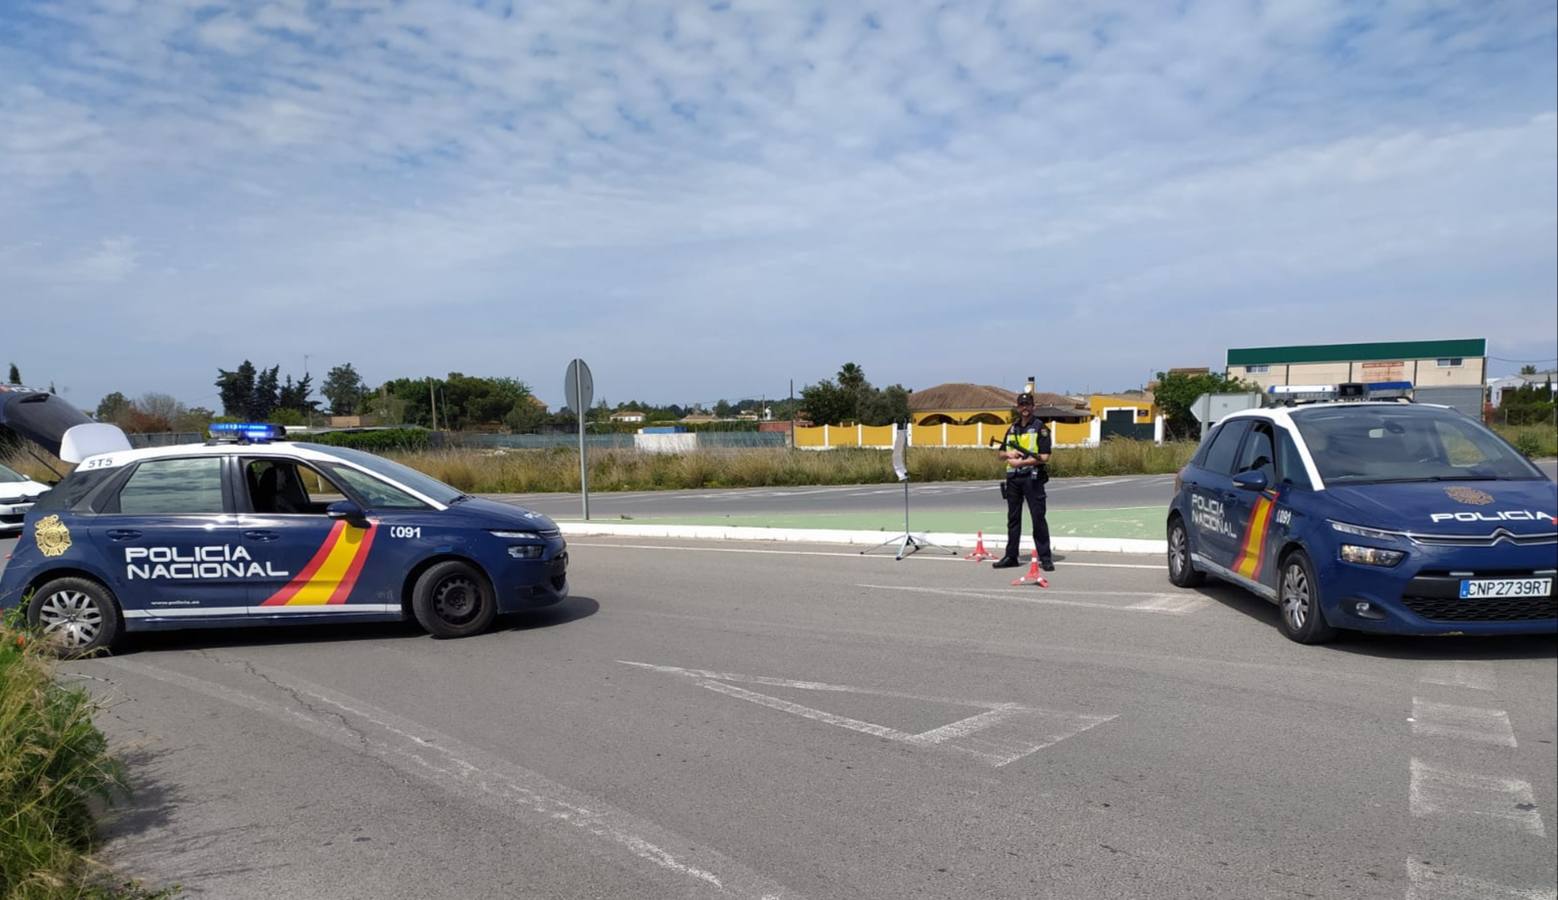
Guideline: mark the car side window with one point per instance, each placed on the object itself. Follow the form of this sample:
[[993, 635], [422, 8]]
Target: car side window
[[1225, 446], [1289, 464], [160, 486], [1258, 454], [288, 487], [376, 493]]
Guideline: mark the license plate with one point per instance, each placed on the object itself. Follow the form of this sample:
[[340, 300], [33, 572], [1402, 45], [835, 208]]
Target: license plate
[[1506, 587]]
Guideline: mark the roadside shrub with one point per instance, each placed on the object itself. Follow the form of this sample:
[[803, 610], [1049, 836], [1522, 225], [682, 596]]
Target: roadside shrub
[[385, 441], [54, 762]]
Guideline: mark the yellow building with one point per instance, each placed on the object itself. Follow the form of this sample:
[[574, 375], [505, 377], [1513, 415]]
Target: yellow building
[[975, 404]]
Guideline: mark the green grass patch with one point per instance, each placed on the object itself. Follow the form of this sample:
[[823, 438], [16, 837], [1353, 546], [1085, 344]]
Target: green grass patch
[[54, 766], [1535, 441]]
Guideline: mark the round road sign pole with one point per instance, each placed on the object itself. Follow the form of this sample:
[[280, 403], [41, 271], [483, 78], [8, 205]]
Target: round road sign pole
[[584, 468]]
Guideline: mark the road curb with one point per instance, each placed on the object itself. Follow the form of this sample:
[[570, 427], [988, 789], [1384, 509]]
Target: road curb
[[1061, 544]]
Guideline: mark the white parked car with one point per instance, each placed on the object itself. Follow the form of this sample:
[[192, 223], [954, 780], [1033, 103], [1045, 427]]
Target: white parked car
[[17, 494]]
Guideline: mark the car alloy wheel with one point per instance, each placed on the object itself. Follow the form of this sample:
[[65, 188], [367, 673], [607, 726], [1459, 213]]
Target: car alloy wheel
[[71, 617]]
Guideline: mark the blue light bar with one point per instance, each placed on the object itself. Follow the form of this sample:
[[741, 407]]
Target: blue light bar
[[1389, 386], [247, 432]]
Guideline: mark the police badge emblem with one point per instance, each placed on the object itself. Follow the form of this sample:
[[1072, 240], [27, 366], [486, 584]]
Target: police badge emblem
[[1469, 496], [52, 536]]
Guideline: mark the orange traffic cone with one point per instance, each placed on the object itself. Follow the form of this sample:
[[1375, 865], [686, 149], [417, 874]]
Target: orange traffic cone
[[1034, 576], [980, 553]]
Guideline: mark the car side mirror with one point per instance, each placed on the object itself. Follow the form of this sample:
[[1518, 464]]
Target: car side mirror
[[348, 511], [1251, 481]]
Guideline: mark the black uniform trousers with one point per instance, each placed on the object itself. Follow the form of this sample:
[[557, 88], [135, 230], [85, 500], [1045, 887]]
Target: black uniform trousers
[[1029, 490]]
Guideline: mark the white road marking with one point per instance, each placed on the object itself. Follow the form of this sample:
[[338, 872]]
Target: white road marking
[[474, 774], [999, 736], [1471, 723], [1507, 802], [1460, 673], [1427, 884], [1165, 604], [843, 555]]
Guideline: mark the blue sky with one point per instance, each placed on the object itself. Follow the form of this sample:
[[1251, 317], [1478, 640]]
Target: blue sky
[[708, 200]]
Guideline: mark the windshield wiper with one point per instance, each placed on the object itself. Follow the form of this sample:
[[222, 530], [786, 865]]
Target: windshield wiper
[[461, 498]]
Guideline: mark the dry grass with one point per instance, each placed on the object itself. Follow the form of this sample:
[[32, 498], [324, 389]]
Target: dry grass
[[557, 469], [527, 471]]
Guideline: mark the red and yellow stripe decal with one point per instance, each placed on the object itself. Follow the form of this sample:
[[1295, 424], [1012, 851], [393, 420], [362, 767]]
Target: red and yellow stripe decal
[[330, 575], [1252, 550]]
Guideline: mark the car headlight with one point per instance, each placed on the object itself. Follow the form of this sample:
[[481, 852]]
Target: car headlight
[[517, 535], [1378, 534], [1370, 556]]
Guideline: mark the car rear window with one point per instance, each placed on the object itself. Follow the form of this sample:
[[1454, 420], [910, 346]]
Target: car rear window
[[1225, 446], [73, 489]]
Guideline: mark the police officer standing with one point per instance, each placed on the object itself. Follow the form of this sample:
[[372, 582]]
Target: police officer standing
[[1026, 473]]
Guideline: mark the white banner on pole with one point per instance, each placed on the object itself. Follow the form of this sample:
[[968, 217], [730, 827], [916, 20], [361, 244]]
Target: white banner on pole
[[900, 440]]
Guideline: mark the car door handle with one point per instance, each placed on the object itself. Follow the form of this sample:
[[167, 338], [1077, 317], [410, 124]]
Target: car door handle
[[261, 535], [123, 534]]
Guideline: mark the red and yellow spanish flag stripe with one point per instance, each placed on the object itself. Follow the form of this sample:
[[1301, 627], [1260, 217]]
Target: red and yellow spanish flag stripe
[[330, 575], [1253, 548]]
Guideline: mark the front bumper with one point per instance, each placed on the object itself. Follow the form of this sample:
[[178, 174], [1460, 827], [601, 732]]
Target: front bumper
[[533, 584], [1422, 594]]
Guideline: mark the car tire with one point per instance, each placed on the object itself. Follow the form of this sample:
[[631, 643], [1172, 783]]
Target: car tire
[[78, 616], [1298, 602], [453, 599], [1182, 572]]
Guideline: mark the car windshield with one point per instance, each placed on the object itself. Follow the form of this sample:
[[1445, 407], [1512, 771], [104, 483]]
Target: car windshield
[[428, 487], [1390, 442], [10, 475]]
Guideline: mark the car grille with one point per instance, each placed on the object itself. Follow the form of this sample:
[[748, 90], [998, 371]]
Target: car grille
[[1485, 609], [549, 532], [559, 571]]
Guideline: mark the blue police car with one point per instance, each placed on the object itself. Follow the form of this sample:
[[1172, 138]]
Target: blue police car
[[245, 531], [1371, 516]]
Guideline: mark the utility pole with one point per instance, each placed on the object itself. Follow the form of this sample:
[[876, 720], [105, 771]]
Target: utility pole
[[792, 413], [432, 402]]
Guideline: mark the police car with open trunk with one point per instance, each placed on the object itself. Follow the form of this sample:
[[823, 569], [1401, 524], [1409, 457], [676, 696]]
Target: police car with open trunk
[[1350, 511], [247, 531]]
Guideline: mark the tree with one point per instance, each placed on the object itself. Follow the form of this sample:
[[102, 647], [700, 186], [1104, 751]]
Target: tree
[[161, 407], [1527, 369], [852, 378], [264, 399], [236, 389], [112, 407], [722, 409], [344, 389], [295, 396], [16, 375], [1177, 392], [825, 403]]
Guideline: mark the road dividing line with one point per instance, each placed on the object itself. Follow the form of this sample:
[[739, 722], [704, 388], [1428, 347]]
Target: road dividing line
[[1508, 802], [842, 555], [1475, 675], [999, 736], [469, 773], [1426, 884], [1469, 723], [1162, 604]]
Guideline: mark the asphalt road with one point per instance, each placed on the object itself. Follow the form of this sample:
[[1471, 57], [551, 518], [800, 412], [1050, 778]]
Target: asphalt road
[[931, 498], [766, 721]]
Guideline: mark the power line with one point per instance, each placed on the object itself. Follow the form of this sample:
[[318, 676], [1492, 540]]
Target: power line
[[1545, 359]]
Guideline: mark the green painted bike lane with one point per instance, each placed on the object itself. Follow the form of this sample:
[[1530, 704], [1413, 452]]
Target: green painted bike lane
[[1138, 522]]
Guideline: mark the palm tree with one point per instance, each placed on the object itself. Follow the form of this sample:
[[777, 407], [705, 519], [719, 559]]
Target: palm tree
[[851, 377]]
